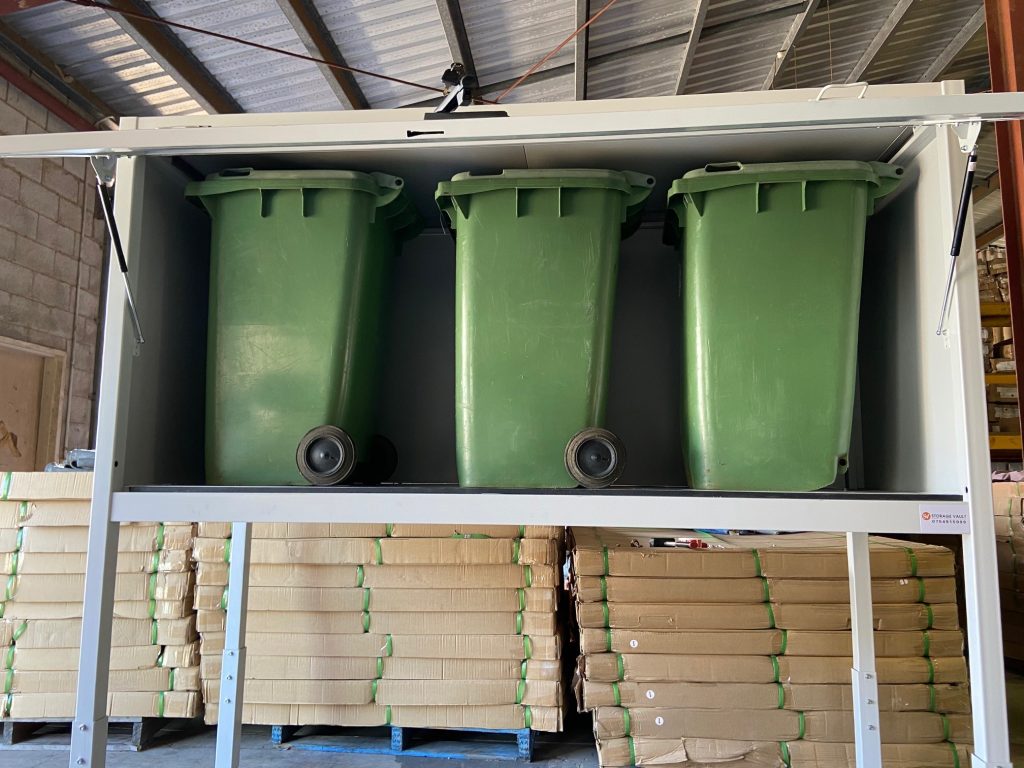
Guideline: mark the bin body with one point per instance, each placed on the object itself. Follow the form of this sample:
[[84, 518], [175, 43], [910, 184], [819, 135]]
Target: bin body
[[536, 265], [300, 267], [772, 261]]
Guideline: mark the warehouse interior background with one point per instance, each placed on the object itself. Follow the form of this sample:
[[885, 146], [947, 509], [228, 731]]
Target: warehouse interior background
[[79, 65]]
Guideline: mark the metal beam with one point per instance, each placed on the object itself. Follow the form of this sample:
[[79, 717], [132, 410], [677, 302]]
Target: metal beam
[[946, 56], [455, 33], [879, 40], [985, 188], [582, 44], [318, 41], [989, 237], [796, 29], [20, 54], [173, 55], [696, 26]]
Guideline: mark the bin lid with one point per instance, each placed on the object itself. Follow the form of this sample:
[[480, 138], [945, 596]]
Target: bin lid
[[469, 183], [239, 179], [721, 175]]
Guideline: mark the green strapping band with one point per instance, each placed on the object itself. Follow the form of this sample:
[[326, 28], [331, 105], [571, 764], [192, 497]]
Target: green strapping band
[[520, 691], [775, 667], [627, 720], [803, 726], [521, 594], [2, 604], [8, 680], [153, 633], [604, 588], [956, 754], [20, 630], [945, 727], [154, 565], [522, 671], [927, 644], [389, 529], [767, 592], [360, 573], [785, 642], [782, 695], [784, 753], [621, 666], [380, 666], [378, 553], [519, 622], [920, 590], [5, 485], [515, 551], [388, 646], [15, 557], [528, 575], [912, 556], [366, 621], [9, 590], [160, 536], [757, 561], [527, 717], [160, 701], [604, 555], [8, 700], [387, 714], [931, 698], [632, 751], [152, 608], [170, 679], [22, 510], [608, 638], [522, 532], [605, 614], [227, 550], [373, 691], [931, 616], [527, 647], [366, 599], [20, 538], [617, 694], [160, 660], [931, 671], [152, 586], [224, 600], [771, 615]]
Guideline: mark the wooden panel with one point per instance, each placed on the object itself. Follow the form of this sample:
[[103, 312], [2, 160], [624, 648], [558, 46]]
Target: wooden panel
[[20, 390]]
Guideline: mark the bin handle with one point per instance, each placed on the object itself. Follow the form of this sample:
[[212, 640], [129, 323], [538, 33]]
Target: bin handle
[[733, 167], [862, 84]]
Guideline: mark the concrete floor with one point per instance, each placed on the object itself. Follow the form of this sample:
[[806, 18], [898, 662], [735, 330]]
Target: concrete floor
[[572, 750]]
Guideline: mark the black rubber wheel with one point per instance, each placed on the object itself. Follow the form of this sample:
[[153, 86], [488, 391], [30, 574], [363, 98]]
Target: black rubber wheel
[[380, 465], [595, 457], [326, 455]]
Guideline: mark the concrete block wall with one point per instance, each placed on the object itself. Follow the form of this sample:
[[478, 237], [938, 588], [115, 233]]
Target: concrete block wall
[[52, 251]]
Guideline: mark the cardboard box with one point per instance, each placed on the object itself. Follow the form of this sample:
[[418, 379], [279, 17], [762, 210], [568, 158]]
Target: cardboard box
[[66, 659], [34, 706], [935, 642], [300, 691], [176, 631], [62, 514], [895, 618], [1001, 393], [908, 590], [627, 589], [298, 530], [757, 642], [896, 727], [531, 693], [50, 633], [66, 681], [35, 486], [186, 679], [391, 668], [945, 698], [133, 538], [675, 616], [836, 670], [397, 600], [688, 753], [443, 623], [807, 754], [180, 655], [74, 562], [433, 531]]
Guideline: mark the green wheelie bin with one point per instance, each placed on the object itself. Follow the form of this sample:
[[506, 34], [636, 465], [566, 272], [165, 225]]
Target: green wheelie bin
[[536, 264], [300, 268], [772, 258]]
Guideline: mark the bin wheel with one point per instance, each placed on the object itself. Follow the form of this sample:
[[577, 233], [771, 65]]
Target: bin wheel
[[381, 463], [326, 455], [595, 457]]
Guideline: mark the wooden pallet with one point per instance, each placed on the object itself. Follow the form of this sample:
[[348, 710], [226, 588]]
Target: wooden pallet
[[454, 744], [55, 733]]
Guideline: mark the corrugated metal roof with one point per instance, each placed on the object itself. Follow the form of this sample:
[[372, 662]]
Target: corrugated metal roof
[[921, 35], [971, 64], [988, 213], [738, 55], [90, 47], [832, 44], [260, 81], [401, 38]]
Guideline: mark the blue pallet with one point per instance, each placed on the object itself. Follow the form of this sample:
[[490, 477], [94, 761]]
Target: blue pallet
[[455, 744]]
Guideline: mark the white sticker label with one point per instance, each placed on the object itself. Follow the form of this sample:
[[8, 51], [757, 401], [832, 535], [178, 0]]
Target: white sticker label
[[633, 643], [659, 720], [650, 694], [944, 518]]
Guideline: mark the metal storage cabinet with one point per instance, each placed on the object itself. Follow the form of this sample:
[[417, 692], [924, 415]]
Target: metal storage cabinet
[[922, 461]]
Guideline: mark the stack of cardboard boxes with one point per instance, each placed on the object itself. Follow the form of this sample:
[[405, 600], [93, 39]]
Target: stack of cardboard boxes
[[738, 650], [420, 626], [993, 281], [997, 343], [154, 661], [1008, 506]]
